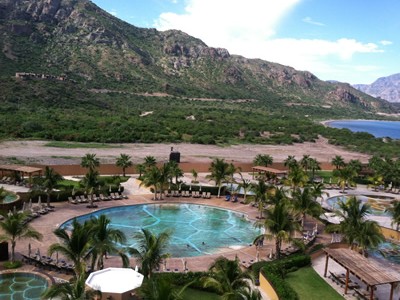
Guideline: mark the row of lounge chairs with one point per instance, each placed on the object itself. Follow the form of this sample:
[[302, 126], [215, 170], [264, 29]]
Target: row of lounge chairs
[[10, 180], [95, 198], [48, 263], [188, 194]]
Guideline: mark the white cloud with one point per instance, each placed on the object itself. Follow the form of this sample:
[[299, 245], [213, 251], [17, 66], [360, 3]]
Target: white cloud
[[113, 12], [249, 28], [312, 22], [386, 43]]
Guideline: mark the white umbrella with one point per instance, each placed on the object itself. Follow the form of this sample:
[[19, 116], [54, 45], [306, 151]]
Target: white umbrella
[[10, 213], [73, 191], [30, 204], [165, 264], [322, 181], [24, 206], [39, 203], [119, 189], [190, 187], [109, 188], [330, 180], [14, 209], [200, 188], [258, 256], [38, 253]]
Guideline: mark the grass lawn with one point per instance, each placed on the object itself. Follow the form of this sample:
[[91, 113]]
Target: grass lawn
[[310, 286], [192, 294]]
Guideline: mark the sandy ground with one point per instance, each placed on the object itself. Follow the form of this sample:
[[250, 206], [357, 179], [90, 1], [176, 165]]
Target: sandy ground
[[36, 152]]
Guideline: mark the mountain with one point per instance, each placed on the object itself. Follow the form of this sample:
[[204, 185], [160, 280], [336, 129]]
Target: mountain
[[81, 42], [387, 88]]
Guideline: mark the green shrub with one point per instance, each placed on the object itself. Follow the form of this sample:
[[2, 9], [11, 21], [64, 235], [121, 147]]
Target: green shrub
[[12, 264], [275, 271]]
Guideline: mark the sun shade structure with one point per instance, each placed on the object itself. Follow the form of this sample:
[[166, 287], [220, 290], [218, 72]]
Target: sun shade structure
[[115, 283], [367, 270], [23, 170], [267, 170]]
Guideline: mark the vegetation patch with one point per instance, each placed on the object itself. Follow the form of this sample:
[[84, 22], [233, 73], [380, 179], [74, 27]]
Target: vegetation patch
[[58, 144], [310, 286]]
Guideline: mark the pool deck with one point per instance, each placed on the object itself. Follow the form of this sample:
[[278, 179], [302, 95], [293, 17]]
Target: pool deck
[[139, 195]]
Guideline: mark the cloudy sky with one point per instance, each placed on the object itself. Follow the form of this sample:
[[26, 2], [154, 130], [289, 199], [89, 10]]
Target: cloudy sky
[[355, 41]]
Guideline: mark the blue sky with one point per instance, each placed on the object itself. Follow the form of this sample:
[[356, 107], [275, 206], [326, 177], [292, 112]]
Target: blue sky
[[355, 41]]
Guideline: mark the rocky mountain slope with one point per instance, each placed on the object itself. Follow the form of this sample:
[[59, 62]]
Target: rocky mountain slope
[[79, 41], [387, 88]]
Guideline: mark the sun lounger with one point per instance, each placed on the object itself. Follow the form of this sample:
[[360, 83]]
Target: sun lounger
[[167, 193], [72, 201], [123, 196], [83, 199], [203, 195]]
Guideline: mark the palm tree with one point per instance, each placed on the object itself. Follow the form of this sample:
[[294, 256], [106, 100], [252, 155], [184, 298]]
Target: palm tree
[[264, 160], [90, 180], [305, 162], [376, 181], [150, 161], [15, 227], [104, 239], [161, 289], [345, 177], [151, 250], [260, 195], [338, 162], [195, 175], [369, 236], [395, 211], [353, 213], [174, 171], [290, 162], [280, 224], [245, 184], [152, 178], [74, 290], [228, 279], [305, 204], [90, 161], [297, 177], [124, 161], [141, 168], [356, 165], [51, 178], [219, 172], [314, 166], [74, 245]]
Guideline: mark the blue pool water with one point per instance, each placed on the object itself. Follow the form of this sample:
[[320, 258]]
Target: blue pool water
[[21, 286], [192, 225], [378, 206], [376, 128], [388, 251]]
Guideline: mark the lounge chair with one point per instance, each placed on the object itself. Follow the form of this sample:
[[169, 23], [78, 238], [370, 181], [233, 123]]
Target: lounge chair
[[83, 199], [203, 195], [208, 195], [72, 201]]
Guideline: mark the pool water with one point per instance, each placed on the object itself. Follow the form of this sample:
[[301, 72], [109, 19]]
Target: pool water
[[10, 197], [21, 286], [388, 251], [378, 206], [197, 229]]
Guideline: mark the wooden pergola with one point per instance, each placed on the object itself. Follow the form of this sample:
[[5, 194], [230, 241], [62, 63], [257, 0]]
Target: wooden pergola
[[23, 170], [367, 270], [267, 170]]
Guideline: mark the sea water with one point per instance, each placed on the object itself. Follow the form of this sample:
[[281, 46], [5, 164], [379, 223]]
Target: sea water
[[376, 128]]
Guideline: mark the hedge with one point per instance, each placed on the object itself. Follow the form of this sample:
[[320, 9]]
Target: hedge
[[276, 270]]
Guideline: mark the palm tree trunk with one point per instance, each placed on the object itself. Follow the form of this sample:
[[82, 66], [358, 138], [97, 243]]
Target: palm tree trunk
[[13, 250], [277, 248], [219, 191], [48, 199], [123, 172]]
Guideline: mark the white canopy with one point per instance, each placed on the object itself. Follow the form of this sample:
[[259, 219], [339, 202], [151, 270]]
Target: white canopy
[[115, 280]]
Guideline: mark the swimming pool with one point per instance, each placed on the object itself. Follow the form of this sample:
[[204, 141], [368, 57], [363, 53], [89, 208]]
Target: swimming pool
[[21, 286], [9, 198], [378, 205], [388, 251], [197, 229]]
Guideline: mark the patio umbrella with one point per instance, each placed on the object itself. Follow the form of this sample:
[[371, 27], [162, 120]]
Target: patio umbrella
[[330, 180], [119, 188], [39, 203], [73, 191], [14, 209], [30, 204], [109, 189], [258, 256], [190, 187], [200, 188], [29, 250], [322, 181], [9, 213], [37, 254], [270, 254], [24, 206], [165, 264]]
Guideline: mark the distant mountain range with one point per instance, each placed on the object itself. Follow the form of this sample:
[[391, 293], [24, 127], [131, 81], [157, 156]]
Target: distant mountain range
[[387, 88]]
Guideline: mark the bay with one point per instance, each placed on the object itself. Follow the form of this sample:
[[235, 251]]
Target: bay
[[376, 128]]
